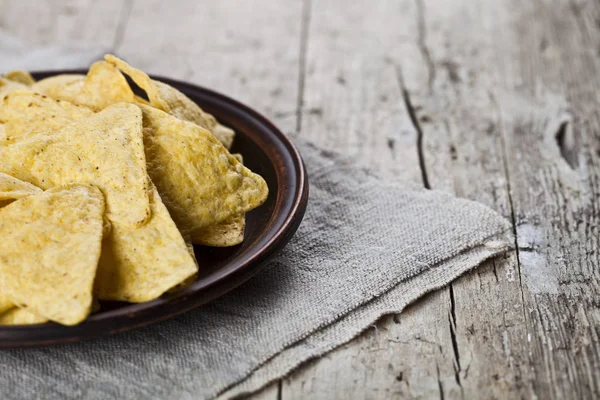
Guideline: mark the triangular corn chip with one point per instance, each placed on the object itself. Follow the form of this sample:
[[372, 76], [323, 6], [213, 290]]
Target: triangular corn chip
[[22, 77], [199, 181], [26, 113], [50, 249], [227, 233], [172, 101], [140, 264], [12, 189], [20, 316], [105, 149], [103, 85], [56, 85]]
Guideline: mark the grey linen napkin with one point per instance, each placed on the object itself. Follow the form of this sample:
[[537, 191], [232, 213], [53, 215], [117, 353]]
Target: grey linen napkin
[[364, 249]]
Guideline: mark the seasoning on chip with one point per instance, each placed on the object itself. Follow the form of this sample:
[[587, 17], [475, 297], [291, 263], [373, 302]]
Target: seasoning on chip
[[28, 113]]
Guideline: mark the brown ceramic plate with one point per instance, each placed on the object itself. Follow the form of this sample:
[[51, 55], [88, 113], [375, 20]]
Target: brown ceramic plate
[[266, 151]]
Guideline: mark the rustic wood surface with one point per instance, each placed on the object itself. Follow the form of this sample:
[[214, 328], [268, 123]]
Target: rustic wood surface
[[492, 100]]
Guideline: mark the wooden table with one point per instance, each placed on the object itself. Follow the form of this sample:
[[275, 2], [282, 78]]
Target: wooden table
[[493, 100]]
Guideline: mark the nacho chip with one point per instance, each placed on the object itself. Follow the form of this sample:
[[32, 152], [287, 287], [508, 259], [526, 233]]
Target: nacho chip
[[199, 181], [140, 264], [7, 86], [55, 85], [105, 149], [50, 249], [22, 77], [228, 233], [104, 85], [12, 188], [26, 113], [5, 303], [20, 316], [172, 101]]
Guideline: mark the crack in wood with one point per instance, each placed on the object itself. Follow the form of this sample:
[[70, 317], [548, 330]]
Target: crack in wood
[[124, 16], [511, 204], [304, 31], [452, 323], [416, 124], [422, 43], [439, 381], [495, 270], [280, 389]]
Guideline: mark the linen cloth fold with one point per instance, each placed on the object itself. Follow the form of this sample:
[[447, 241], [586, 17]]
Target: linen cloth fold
[[365, 248]]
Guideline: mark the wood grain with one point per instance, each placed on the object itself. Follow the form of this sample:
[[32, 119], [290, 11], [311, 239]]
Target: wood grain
[[491, 100]]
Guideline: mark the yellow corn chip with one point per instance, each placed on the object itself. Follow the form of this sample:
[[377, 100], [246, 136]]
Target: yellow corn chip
[[105, 149], [104, 85], [5, 303], [227, 233], [23, 77], [56, 85], [199, 181], [12, 188], [26, 112], [7, 86], [20, 316], [50, 249], [140, 264], [172, 101]]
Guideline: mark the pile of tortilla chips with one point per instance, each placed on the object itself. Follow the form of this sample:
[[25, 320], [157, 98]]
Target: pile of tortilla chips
[[103, 192]]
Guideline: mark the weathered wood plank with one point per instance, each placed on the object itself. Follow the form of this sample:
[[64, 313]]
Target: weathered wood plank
[[511, 103], [88, 23], [354, 102], [248, 50]]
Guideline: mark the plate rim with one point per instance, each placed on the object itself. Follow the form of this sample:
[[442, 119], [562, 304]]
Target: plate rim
[[137, 314]]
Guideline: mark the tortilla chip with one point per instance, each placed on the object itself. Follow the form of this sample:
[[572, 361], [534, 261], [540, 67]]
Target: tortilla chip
[[140, 264], [7, 86], [5, 303], [104, 85], [50, 249], [19, 76], [26, 113], [228, 233], [22, 77], [55, 85], [12, 188], [199, 181], [172, 101], [105, 149], [20, 316]]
